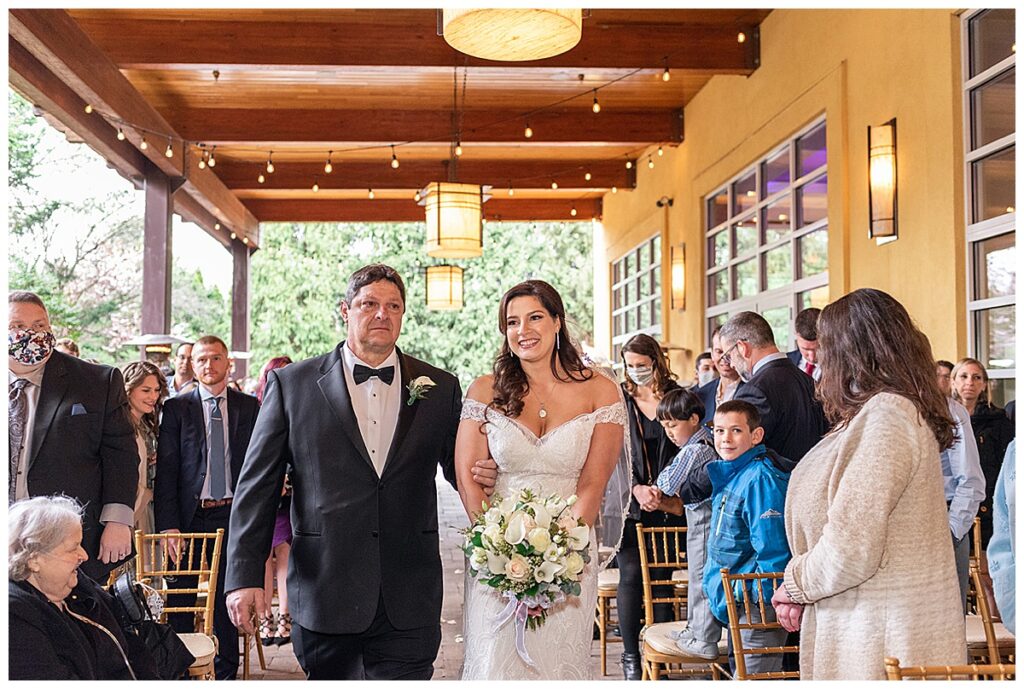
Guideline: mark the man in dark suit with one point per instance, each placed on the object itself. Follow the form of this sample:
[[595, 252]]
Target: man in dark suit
[[805, 356], [793, 420], [70, 433], [720, 389], [364, 428], [204, 436]]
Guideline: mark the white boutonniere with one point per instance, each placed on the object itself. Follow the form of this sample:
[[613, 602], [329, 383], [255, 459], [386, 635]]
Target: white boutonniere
[[419, 388]]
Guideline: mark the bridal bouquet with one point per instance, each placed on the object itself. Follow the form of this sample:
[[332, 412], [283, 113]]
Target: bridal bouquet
[[531, 550]]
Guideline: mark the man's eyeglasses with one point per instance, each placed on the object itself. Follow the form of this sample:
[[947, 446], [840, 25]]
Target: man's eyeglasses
[[725, 358]]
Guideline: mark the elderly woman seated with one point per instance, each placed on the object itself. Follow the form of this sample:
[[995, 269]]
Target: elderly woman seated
[[62, 625]]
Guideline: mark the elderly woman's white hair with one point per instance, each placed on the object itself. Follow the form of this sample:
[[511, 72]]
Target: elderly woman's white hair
[[37, 526]]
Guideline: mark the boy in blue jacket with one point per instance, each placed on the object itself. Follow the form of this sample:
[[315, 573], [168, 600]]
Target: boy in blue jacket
[[747, 529]]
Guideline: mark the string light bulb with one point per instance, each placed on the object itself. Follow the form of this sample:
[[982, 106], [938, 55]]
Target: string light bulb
[[554, 184], [511, 191], [629, 164], [169, 152], [394, 159], [458, 147], [88, 108], [665, 74], [216, 225], [245, 240], [120, 134], [741, 37], [416, 197], [370, 194], [316, 186], [270, 162], [213, 160], [202, 161], [234, 236], [615, 190], [588, 176], [661, 151], [596, 107], [528, 132], [143, 145], [327, 166], [261, 179], [573, 211], [650, 162]]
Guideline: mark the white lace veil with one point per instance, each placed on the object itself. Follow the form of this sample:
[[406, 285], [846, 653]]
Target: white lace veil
[[611, 518]]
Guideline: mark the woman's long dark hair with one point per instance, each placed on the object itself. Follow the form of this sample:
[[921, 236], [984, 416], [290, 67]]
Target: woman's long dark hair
[[645, 345], [134, 375], [868, 344], [510, 383]]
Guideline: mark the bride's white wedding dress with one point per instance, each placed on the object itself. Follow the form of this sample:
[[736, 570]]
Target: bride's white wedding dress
[[560, 647]]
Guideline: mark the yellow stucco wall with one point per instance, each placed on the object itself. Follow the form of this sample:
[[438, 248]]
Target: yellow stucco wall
[[859, 68]]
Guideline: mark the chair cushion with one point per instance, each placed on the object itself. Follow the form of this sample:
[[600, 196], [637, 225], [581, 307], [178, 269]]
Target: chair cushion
[[201, 646], [661, 638], [976, 633], [679, 575], [608, 579]]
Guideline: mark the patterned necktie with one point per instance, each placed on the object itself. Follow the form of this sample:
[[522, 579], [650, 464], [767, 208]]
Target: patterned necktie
[[16, 416], [217, 482]]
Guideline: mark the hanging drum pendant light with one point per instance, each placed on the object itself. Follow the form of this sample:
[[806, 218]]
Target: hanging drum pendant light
[[453, 214], [512, 34], [444, 288]]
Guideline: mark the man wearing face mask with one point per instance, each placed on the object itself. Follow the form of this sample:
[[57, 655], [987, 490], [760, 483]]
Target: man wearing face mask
[[792, 418], [70, 434], [705, 370]]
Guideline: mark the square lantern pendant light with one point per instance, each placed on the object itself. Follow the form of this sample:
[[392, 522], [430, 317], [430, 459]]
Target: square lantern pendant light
[[454, 219], [444, 288], [882, 187], [512, 34]]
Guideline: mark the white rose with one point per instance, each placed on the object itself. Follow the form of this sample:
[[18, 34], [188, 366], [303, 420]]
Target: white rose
[[574, 563], [517, 528], [541, 515], [579, 537], [492, 516], [539, 538], [492, 533], [517, 569], [496, 562], [547, 571]]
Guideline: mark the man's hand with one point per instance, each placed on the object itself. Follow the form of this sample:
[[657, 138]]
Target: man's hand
[[245, 606], [787, 612], [647, 496], [115, 542], [485, 473], [173, 545]]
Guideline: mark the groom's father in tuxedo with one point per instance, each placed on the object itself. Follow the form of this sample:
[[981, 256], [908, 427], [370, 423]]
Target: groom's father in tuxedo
[[364, 428], [203, 438]]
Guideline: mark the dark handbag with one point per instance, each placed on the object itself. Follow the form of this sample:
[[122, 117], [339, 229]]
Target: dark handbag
[[169, 655]]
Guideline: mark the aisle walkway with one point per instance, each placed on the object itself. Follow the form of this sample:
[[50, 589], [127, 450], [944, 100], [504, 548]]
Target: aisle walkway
[[281, 663]]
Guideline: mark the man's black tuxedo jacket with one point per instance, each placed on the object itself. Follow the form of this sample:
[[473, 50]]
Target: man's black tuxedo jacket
[[356, 535], [784, 395], [83, 445], [181, 460]]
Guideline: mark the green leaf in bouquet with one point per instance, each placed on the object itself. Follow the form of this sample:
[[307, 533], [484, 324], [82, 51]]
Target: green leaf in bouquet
[[575, 588], [495, 580]]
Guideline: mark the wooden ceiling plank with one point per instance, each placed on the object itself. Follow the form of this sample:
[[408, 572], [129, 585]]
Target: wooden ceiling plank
[[415, 174], [394, 210], [54, 39], [262, 127], [166, 43]]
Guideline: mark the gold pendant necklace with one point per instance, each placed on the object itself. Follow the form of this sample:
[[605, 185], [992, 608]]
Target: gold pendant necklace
[[543, 413]]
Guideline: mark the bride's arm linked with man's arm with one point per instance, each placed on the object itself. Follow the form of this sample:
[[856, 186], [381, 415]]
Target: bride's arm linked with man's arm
[[472, 456]]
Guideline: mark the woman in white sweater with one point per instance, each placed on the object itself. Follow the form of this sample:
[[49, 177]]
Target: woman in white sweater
[[873, 573]]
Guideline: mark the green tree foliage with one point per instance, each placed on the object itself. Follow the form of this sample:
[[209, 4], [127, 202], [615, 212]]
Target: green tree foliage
[[301, 271]]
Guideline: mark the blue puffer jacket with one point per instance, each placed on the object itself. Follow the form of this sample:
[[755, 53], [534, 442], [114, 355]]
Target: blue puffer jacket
[[748, 533]]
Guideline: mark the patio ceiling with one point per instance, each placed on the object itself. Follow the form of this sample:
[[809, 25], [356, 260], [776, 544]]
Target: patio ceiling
[[301, 83]]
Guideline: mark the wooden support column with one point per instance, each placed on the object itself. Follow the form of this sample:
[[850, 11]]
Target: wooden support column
[[240, 305], [156, 253]]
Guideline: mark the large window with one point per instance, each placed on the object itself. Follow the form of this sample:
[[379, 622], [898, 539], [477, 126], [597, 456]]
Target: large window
[[767, 236], [636, 294], [989, 71]]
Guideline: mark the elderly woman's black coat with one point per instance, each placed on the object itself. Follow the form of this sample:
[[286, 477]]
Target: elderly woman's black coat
[[45, 642]]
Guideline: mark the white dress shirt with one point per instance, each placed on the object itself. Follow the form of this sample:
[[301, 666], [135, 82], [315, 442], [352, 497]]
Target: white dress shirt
[[768, 358], [376, 405], [815, 374], [204, 396], [962, 478]]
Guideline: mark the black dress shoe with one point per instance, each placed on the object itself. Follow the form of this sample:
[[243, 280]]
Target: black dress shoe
[[631, 666]]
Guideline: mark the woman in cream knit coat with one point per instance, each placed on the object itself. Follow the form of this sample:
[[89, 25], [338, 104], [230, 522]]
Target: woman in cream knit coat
[[872, 573]]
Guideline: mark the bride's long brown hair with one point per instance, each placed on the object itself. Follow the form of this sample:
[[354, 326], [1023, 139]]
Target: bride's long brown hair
[[510, 383]]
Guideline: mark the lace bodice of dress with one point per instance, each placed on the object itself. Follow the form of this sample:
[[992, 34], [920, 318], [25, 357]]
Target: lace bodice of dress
[[549, 464]]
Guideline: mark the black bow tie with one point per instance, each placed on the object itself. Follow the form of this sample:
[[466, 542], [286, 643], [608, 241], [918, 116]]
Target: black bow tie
[[364, 373]]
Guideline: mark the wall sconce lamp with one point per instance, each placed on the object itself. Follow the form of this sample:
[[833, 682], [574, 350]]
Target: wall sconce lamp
[[677, 260], [882, 182]]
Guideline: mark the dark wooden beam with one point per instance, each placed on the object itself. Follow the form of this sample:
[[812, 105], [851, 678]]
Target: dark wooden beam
[[240, 306], [156, 253], [58, 44], [397, 210], [416, 174], [171, 43], [265, 127]]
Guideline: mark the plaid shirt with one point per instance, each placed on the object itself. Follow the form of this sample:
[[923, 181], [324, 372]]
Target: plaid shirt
[[687, 475]]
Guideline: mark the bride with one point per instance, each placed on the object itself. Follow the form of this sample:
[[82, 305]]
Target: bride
[[554, 426]]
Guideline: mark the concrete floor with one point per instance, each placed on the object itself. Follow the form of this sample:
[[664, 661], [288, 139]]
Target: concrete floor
[[281, 663]]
